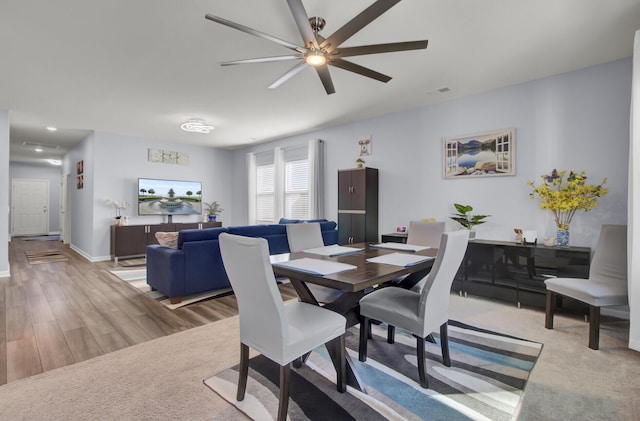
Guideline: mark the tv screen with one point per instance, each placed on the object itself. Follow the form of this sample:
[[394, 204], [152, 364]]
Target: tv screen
[[169, 197]]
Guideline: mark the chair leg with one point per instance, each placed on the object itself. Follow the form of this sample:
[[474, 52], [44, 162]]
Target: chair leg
[[365, 328], [391, 334], [341, 379], [594, 327], [422, 372], [243, 371], [283, 406], [444, 344], [548, 318]]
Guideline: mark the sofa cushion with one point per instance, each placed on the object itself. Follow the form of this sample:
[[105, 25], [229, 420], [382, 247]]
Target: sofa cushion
[[167, 239], [199, 235]]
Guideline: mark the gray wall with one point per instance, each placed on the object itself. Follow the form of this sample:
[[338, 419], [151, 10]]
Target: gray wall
[[24, 171], [112, 165], [578, 120], [4, 193]]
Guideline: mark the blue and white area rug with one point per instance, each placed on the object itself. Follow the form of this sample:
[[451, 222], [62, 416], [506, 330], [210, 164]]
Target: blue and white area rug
[[136, 276], [486, 380]]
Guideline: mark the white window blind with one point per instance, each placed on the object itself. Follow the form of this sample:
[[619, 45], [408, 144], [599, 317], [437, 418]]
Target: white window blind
[[296, 193], [265, 194]]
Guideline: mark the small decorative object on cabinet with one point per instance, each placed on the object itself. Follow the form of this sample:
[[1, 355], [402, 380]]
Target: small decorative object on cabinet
[[564, 198], [360, 162], [357, 205], [212, 209], [466, 219]]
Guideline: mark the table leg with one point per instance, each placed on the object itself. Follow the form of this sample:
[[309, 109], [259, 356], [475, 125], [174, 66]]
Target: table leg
[[347, 305]]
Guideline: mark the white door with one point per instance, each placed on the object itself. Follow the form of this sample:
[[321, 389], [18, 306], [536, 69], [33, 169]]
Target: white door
[[30, 207]]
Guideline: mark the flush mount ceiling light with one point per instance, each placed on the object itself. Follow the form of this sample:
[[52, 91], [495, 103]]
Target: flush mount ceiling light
[[196, 126], [51, 128], [56, 162]]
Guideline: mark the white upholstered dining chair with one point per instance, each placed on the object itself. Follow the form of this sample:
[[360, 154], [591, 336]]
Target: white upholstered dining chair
[[423, 233], [280, 331], [607, 283], [305, 236], [422, 311]]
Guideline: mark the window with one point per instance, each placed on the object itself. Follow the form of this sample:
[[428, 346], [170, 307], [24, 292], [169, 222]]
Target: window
[[280, 184], [265, 194], [296, 192]]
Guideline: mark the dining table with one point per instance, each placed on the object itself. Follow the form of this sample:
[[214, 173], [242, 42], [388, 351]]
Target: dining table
[[360, 274]]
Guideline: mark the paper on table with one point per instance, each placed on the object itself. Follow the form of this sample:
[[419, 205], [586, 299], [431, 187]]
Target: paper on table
[[400, 246], [400, 259], [333, 250], [315, 266]]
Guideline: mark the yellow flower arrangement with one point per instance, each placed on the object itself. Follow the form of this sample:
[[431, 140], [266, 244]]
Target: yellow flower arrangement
[[563, 200]]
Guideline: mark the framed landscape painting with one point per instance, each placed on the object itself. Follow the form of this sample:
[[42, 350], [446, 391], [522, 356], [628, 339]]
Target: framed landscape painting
[[486, 154]]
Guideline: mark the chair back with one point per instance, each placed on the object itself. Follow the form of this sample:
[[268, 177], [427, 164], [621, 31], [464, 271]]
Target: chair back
[[609, 263], [262, 315], [423, 233], [304, 236], [434, 298]]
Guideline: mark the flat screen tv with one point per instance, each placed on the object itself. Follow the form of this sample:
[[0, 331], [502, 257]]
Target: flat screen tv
[[169, 197]]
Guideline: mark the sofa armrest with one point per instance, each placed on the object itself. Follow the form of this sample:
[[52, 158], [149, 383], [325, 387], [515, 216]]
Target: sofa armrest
[[165, 270]]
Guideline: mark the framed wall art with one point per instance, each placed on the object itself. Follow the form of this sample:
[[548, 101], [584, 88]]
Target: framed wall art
[[485, 154], [80, 167]]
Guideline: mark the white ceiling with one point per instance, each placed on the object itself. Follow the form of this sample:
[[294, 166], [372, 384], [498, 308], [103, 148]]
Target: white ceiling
[[143, 67]]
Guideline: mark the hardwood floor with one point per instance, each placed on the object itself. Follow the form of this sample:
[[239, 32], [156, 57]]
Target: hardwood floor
[[57, 314]]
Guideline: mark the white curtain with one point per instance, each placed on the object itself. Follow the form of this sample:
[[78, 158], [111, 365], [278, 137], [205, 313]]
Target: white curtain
[[633, 251], [279, 163], [251, 188], [316, 179]]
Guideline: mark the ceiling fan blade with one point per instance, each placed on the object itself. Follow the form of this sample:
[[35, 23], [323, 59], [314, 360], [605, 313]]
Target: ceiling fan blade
[[356, 68], [325, 77], [357, 23], [254, 32], [289, 74], [262, 59], [381, 48], [302, 21]]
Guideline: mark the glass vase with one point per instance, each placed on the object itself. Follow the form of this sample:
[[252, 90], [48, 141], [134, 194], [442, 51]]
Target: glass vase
[[562, 239]]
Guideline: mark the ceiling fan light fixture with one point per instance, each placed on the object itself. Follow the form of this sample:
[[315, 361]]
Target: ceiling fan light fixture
[[196, 125], [315, 57]]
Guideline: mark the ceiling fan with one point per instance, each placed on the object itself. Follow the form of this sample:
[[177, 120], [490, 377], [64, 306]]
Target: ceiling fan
[[320, 52]]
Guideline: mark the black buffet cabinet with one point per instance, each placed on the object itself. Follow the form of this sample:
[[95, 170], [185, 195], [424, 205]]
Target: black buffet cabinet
[[516, 272]]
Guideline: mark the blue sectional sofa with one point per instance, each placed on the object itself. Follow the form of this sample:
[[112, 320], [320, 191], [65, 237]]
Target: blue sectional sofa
[[196, 265]]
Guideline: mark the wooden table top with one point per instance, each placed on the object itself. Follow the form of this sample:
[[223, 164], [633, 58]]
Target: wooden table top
[[364, 276]]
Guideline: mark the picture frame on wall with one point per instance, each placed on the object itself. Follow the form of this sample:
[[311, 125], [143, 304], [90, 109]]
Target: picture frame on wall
[[80, 182], [80, 167], [486, 154]]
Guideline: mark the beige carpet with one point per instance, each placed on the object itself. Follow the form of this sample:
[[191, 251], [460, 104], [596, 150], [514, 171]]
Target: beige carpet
[[163, 379]]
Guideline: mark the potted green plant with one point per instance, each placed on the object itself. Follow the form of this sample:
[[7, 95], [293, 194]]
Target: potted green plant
[[466, 219], [212, 209], [359, 162]]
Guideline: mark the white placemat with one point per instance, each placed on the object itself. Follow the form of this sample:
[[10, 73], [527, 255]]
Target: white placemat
[[400, 246], [315, 266], [400, 259], [333, 250]]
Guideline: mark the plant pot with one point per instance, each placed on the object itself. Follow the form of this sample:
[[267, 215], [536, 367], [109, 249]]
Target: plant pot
[[472, 234], [212, 217], [359, 165]]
